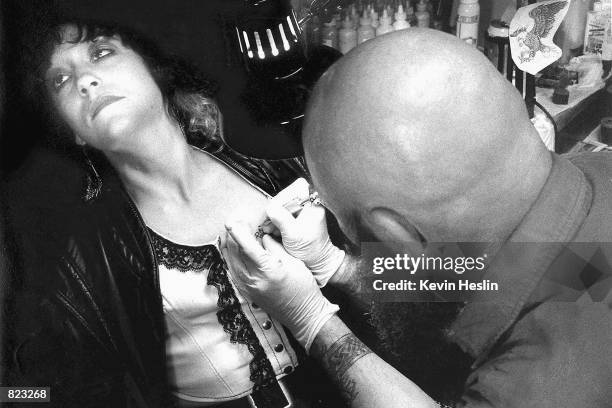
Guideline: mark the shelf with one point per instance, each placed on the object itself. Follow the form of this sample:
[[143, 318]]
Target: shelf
[[579, 99]]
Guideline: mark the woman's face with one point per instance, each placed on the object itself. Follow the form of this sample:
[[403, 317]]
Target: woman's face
[[104, 91]]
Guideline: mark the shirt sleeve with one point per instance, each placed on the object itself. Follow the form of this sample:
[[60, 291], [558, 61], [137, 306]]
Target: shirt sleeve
[[558, 354]]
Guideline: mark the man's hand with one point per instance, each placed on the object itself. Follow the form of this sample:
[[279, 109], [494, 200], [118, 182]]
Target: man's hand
[[306, 238], [279, 283]]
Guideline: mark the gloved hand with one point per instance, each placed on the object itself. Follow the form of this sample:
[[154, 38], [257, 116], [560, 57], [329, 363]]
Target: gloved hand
[[279, 283], [306, 238]]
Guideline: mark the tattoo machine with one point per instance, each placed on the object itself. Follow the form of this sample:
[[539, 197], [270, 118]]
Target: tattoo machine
[[294, 206]]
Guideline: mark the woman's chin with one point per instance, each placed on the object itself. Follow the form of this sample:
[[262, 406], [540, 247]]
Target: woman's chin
[[112, 134]]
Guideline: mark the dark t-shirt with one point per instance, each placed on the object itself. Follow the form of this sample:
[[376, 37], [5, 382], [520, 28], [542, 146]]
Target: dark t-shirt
[[545, 338]]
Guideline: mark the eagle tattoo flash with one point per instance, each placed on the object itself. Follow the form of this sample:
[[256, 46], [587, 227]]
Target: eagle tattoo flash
[[531, 33]]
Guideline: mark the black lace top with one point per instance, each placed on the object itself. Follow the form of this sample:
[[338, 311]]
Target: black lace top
[[230, 314]]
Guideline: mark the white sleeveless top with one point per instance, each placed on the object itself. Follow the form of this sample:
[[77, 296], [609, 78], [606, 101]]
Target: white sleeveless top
[[209, 360]]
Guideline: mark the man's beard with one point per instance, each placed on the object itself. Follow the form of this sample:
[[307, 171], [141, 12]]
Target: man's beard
[[412, 337]]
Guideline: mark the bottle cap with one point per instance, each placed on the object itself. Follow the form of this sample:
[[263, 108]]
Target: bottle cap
[[498, 29], [597, 6], [421, 6]]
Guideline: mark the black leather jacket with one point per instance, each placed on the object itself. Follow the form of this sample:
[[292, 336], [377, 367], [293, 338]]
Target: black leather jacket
[[85, 312]]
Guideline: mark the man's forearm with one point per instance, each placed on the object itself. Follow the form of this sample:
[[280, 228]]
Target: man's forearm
[[364, 379], [337, 349], [350, 280]]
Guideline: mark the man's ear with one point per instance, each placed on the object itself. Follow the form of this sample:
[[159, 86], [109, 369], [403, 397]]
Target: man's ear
[[389, 226]]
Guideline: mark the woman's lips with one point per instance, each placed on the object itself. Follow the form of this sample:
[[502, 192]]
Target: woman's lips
[[101, 102]]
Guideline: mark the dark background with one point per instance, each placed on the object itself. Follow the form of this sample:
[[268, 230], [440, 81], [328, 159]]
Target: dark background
[[188, 28], [196, 30]]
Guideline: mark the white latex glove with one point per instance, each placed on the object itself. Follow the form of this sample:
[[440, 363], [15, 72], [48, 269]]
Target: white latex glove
[[306, 238], [279, 283]]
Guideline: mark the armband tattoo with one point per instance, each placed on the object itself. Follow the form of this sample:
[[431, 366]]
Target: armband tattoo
[[338, 358]]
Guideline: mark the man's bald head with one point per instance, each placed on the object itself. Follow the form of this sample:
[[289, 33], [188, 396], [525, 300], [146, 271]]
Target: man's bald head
[[416, 133]]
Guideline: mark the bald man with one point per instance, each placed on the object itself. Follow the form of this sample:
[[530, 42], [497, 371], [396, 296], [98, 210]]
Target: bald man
[[414, 137]]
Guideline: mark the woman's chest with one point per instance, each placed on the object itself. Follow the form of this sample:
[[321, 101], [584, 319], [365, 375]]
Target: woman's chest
[[203, 219], [210, 325]]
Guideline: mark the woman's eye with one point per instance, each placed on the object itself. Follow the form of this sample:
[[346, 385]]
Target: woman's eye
[[101, 53], [59, 80]]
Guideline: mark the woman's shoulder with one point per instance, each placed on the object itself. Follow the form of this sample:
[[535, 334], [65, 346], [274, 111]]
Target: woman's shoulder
[[270, 175]]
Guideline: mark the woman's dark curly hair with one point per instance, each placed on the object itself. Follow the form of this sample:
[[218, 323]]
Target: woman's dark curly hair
[[188, 94]]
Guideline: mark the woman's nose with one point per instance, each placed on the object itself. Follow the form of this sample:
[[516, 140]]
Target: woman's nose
[[86, 83]]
